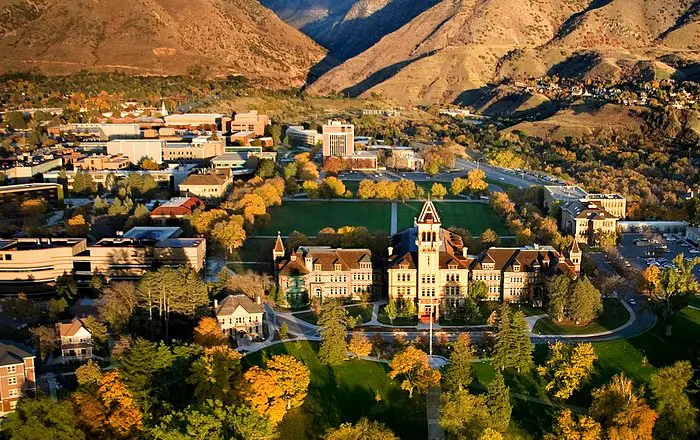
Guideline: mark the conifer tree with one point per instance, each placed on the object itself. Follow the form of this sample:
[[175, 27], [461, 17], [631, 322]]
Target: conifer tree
[[459, 372], [333, 322], [502, 352], [522, 345], [498, 401]]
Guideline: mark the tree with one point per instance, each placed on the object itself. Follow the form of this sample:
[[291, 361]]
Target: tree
[[463, 415], [490, 434], [45, 339], [333, 165], [360, 345], [332, 187], [498, 402], [458, 374], [88, 374], [215, 373], [147, 163], [195, 422], [15, 120], [523, 347], [676, 288], [76, 226], [677, 415], [567, 428], [312, 189], [273, 391], [621, 412], [364, 429], [366, 190], [438, 191], [558, 296], [478, 290], [489, 238], [117, 304], [332, 325], [391, 311], [458, 186], [252, 206], [83, 183], [513, 346], [650, 279], [502, 352], [251, 284], [266, 169], [247, 424], [208, 334], [585, 304], [567, 368], [230, 234], [97, 330], [413, 366], [475, 182], [42, 419], [57, 307]]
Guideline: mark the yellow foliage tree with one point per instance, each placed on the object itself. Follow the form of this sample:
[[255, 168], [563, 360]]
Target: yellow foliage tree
[[360, 345], [585, 428], [650, 279], [412, 364], [76, 226], [208, 334], [567, 368]]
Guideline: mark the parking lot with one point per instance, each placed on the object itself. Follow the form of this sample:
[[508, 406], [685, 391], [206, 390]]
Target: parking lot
[[640, 252]]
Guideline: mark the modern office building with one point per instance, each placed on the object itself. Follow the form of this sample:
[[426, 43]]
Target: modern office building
[[51, 192], [251, 121], [338, 139], [300, 137], [138, 149]]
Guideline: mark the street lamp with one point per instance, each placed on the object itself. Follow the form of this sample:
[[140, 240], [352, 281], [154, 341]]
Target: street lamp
[[477, 163]]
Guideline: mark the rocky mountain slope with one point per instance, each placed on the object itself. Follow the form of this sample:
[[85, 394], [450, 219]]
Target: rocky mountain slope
[[461, 45], [220, 37]]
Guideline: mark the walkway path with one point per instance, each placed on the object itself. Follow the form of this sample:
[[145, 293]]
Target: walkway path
[[432, 406], [394, 218]]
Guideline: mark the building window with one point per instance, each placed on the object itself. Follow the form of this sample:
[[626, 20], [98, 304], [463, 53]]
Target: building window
[[14, 392], [12, 381], [12, 369], [13, 404]]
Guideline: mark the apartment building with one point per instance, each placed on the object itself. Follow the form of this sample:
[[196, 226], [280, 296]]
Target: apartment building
[[208, 186], [338, 139], [326, 272], [137, 149], [99, 162], [75, 339], [299, 136], [251, 121], [240, 316], [17, 374], [16, 194]]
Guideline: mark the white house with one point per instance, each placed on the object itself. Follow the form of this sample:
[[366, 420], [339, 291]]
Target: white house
[[239, 315]]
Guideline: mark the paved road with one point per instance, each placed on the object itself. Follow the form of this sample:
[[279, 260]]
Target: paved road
[[500, 174]]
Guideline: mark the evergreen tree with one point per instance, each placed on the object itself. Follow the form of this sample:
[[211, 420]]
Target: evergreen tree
[[522, 347], [332, 325], [459, 371], [498, 401], [502, 351]]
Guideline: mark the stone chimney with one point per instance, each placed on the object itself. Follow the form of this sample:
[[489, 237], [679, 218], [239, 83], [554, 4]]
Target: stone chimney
[[465, 252], [216, 304], [258, 299], [390, 250]]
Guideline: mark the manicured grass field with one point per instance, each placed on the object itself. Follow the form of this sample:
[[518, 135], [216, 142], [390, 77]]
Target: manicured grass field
[[474, 217], [427, 185], [362, 310], [345, 393], [309, 217], [614, 315]]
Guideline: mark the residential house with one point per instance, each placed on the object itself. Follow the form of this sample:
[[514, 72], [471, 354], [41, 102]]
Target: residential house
[[76, 340], [239, 315]]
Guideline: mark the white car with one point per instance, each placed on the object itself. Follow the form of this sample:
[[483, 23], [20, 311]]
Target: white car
[[632, 301]]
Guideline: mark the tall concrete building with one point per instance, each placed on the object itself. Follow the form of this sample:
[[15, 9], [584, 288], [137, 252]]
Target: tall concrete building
[[137, 149], [251, 121], [338, 139]]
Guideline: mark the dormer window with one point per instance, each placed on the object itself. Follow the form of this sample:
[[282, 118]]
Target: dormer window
[[516, 267], [452, 266], [317, 267], [337, 267]]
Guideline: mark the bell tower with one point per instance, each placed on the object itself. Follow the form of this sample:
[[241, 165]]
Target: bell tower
[[428, 242]]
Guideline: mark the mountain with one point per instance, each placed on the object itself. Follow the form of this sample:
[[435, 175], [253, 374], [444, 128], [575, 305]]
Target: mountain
[[457, 46], [347, 27], [223, 37]]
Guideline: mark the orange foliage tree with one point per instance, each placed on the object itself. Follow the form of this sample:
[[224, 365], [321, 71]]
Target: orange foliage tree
[[208, 334], [412, 364], [360, 345]]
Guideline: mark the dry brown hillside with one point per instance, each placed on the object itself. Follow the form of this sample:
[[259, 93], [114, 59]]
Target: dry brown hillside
[[460, 45], [155, 37]]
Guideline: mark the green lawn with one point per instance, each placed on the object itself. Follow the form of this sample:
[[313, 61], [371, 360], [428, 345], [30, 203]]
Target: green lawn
[[474, 217], [486, 308], [527, 309], [309, 217], [381, 317], [346, 393], [614, 315], [362, 310]]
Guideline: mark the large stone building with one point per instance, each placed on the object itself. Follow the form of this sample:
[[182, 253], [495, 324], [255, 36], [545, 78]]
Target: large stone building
[[17, 374], [338, 139], [587, 221], [430, 266], [325, 272]]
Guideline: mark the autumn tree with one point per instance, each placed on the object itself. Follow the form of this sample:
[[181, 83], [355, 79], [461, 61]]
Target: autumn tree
[[364, 429], [567, 368], [273, 391], [117, 304], [489, 238], [366, 190], [332, 187], [438, 191], [333, 323], [76, 226], [230, 234], [579, 428], [621, 412], [252, 284], [88, 374], [458, 374], [476, 183], [463, 415], [391, 311], [412, 365], [45, 339], [650, 279], [677, 416], [333, 165], [208, 333], [677, 286], [215, 373], [360, 345], [252, 206], [458, 186], [42, 418]]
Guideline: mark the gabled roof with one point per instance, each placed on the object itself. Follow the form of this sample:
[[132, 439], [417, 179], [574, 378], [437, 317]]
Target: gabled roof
[[14, 353], [429, 214], [213, 178], [232, 302], [70, 328]]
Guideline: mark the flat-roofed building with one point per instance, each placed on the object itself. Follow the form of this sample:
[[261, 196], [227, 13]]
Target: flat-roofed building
[[233, 161], [208, 186], [17, 374], [251, 121], [213, 121], [562, 194], [299, 136], [51, 192], [201, 149], [338, 139], [24, 169], [138, 149], [100, 162], [170, 177], [38, 260], [103, 132], [242, 137]]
